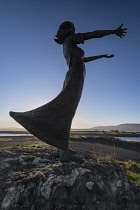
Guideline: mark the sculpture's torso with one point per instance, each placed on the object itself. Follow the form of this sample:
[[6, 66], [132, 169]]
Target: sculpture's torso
[[74, 58], [72, 53]]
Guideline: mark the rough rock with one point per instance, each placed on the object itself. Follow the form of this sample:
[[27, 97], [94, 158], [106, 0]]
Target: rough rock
[[38, 180]]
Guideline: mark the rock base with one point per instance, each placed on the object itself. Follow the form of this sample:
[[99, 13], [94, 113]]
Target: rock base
[[38, 180]]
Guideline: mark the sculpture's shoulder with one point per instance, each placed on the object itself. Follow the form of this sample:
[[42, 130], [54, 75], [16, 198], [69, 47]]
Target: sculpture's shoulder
[[78, 38], [74, 39]]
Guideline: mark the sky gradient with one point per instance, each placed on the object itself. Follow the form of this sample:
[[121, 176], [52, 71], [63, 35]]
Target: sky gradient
[[32, 66]]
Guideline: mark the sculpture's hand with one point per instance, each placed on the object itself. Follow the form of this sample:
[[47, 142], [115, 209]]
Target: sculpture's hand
[[108, 56], [120, 31]]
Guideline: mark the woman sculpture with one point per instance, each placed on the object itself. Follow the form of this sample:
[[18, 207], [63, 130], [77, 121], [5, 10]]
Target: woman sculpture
[[51, 122]]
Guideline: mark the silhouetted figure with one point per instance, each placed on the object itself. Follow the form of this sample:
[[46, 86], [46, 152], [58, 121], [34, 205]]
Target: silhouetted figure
[[51, 122]]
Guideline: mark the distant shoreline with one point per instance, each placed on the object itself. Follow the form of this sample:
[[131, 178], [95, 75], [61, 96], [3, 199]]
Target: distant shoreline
[[105, 133], [14, 131], [81, 133]]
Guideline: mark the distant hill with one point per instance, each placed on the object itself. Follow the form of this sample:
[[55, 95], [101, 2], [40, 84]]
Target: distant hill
[[122, 127]]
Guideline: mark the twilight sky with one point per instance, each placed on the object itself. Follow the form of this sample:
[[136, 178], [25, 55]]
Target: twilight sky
[[32, 66]]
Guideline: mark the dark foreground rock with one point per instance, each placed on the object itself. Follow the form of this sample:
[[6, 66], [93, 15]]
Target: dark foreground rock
[[38, 180]]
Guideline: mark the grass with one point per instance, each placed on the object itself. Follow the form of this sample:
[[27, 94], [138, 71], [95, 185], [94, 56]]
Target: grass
[[107, 140], [132, 170], [22, 147]]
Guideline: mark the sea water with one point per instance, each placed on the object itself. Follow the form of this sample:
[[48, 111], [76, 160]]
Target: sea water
[[137, 139], [13, 134]]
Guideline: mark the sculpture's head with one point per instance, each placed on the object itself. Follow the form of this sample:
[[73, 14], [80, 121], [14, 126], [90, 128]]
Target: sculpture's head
[[65, 29]]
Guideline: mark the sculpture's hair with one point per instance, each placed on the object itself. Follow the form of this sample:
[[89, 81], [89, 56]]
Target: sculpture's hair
[[65, 29]]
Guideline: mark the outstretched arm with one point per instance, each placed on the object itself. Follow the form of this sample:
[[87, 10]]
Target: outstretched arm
[[92, 58], [98, 34]]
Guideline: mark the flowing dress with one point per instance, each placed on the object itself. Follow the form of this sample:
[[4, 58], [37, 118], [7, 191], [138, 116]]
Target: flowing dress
[[51, 122]]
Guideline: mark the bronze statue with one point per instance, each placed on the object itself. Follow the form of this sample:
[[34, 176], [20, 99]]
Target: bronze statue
[[51, 122]]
